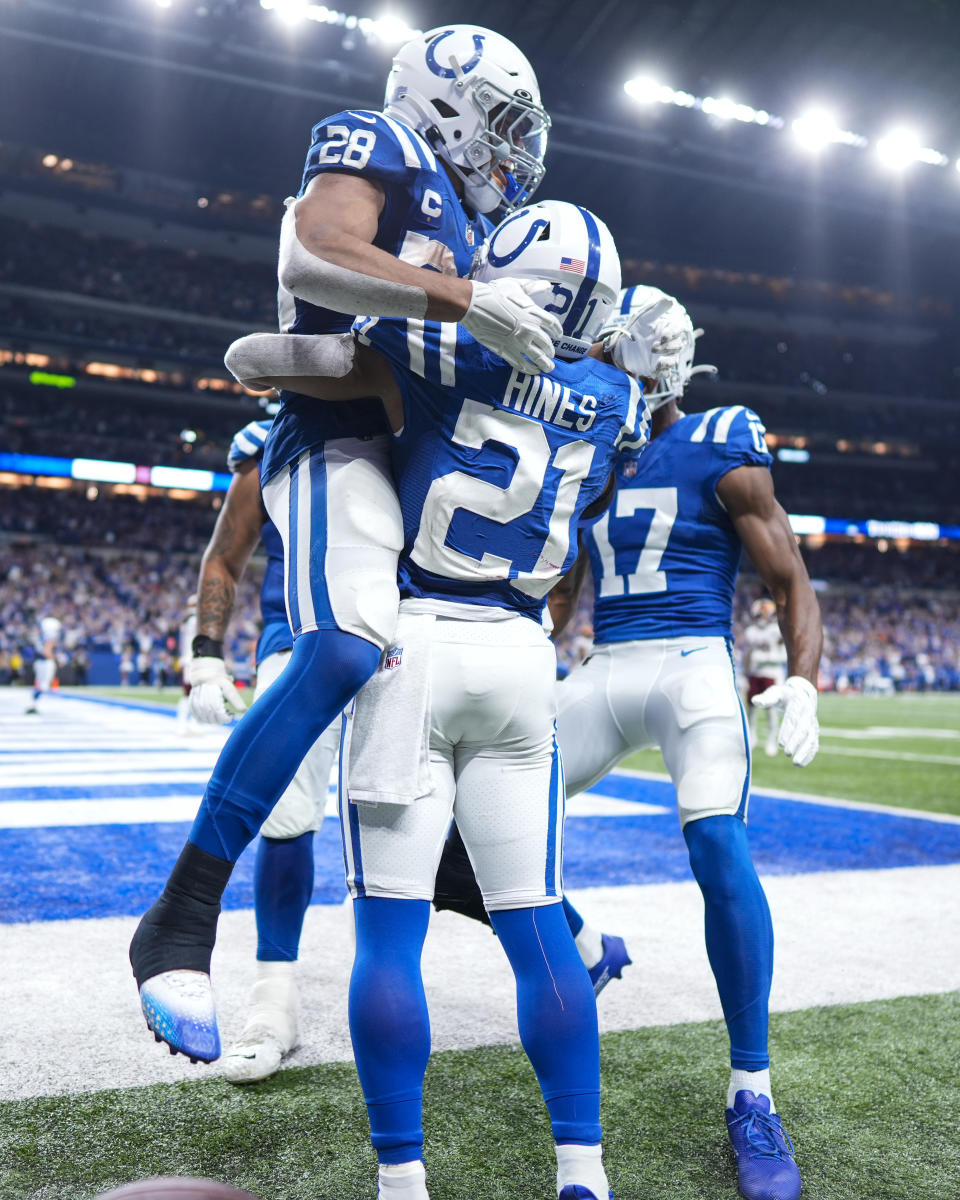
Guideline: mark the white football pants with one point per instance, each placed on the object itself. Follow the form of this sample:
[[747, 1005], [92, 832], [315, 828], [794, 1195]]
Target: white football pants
[[337, 512], [44, 670], [676, 693], [300, 808], [494, 766]]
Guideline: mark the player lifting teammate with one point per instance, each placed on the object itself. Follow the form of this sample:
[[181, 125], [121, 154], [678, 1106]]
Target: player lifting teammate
[[496, 471]]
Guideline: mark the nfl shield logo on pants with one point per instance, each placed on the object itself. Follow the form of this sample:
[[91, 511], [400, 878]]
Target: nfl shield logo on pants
[[392, 659]]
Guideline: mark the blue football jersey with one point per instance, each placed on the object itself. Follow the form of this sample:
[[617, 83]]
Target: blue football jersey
[[665, 556], [275, 633], [423, 223], [494, 468]]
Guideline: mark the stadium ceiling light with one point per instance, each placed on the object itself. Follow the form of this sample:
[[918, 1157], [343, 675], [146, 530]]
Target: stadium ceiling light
[[646, 90], [817, 129], [388, 29], [901, 147]]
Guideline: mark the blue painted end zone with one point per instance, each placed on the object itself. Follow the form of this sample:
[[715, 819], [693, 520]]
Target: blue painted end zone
[[115, 870], [119, 870]]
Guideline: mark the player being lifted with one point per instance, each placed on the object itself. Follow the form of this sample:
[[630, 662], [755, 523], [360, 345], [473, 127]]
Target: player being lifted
[[664, 560], [496, 471], [384, 195], [283, 876]]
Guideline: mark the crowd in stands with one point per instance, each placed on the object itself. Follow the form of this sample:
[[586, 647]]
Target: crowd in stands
[[892, 635], [125, 521], [128, 606], [75, 426], [136, 273], [890, 638]]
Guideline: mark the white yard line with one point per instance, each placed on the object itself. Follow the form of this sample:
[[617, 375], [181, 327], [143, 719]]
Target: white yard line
[[883, 732], [811, 798], [897, 755], [71, 1021]]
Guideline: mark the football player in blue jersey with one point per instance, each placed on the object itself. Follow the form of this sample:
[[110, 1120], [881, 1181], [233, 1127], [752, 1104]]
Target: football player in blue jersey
[[283, 876], [664, 559], [497, 470], [387, 221]]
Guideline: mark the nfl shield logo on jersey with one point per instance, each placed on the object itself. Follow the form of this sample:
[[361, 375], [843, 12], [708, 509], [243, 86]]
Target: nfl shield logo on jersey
[[630, 468], [470, 234], [392, 658]]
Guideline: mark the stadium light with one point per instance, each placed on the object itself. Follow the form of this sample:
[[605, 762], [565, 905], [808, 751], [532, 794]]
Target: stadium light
[[388, 29], [817, 129], [901, 147]]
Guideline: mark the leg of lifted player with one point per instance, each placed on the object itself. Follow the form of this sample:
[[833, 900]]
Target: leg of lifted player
[[338, 515]]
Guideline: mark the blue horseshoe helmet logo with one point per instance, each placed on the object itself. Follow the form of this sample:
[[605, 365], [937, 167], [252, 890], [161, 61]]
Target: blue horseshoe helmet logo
[[501, 260], [448, 72]]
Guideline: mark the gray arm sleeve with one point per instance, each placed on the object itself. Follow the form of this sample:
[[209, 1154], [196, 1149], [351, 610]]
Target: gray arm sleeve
[[322, 283], [259, 358]]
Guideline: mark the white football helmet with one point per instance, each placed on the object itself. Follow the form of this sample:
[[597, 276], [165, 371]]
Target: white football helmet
[[655, 339], [567, 262], [476, 100]]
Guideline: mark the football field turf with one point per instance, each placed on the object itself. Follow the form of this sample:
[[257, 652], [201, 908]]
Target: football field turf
[[93, 806]]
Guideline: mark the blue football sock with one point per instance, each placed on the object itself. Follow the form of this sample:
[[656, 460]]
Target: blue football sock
[[389, 1023], [557, 1017], [282, 887], [574, 920], [326, 670], [739, 933]]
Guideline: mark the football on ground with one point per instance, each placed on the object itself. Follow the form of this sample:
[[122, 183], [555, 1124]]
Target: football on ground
[[178, 1188]]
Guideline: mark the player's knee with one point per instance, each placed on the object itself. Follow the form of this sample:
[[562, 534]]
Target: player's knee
[[336, 662], [719, 856]]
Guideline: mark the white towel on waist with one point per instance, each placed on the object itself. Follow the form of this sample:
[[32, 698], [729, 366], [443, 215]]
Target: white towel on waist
[[387, 743]]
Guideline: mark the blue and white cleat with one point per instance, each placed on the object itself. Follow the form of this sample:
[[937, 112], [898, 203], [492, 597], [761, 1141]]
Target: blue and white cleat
[[179, 1009], [610, 966], [576, 1191], [763, 1150]]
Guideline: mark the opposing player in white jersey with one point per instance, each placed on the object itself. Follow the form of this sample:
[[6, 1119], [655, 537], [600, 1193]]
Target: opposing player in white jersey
[[283, 876], [496, 470], [49, 630], [387, 223], [766, 663], [664, 560]]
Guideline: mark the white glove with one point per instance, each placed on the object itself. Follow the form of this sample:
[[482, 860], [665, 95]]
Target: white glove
[[211, 690], [503, 318], [652, 341], [800, 730]]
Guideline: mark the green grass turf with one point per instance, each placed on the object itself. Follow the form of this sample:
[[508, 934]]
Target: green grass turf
[[869, 1093], [906, 783]]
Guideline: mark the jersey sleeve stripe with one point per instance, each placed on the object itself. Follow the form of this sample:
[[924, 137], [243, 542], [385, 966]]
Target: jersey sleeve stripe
[[448, 354], [700, 433], [410, 150], [630, 423], [724, 421]]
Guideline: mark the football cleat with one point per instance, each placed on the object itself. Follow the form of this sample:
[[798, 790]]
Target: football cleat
[[576, 1191], [179, 1009], [407, 1181], [270, 1031], [255, 1055], [763, 1150], [610, 966]]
